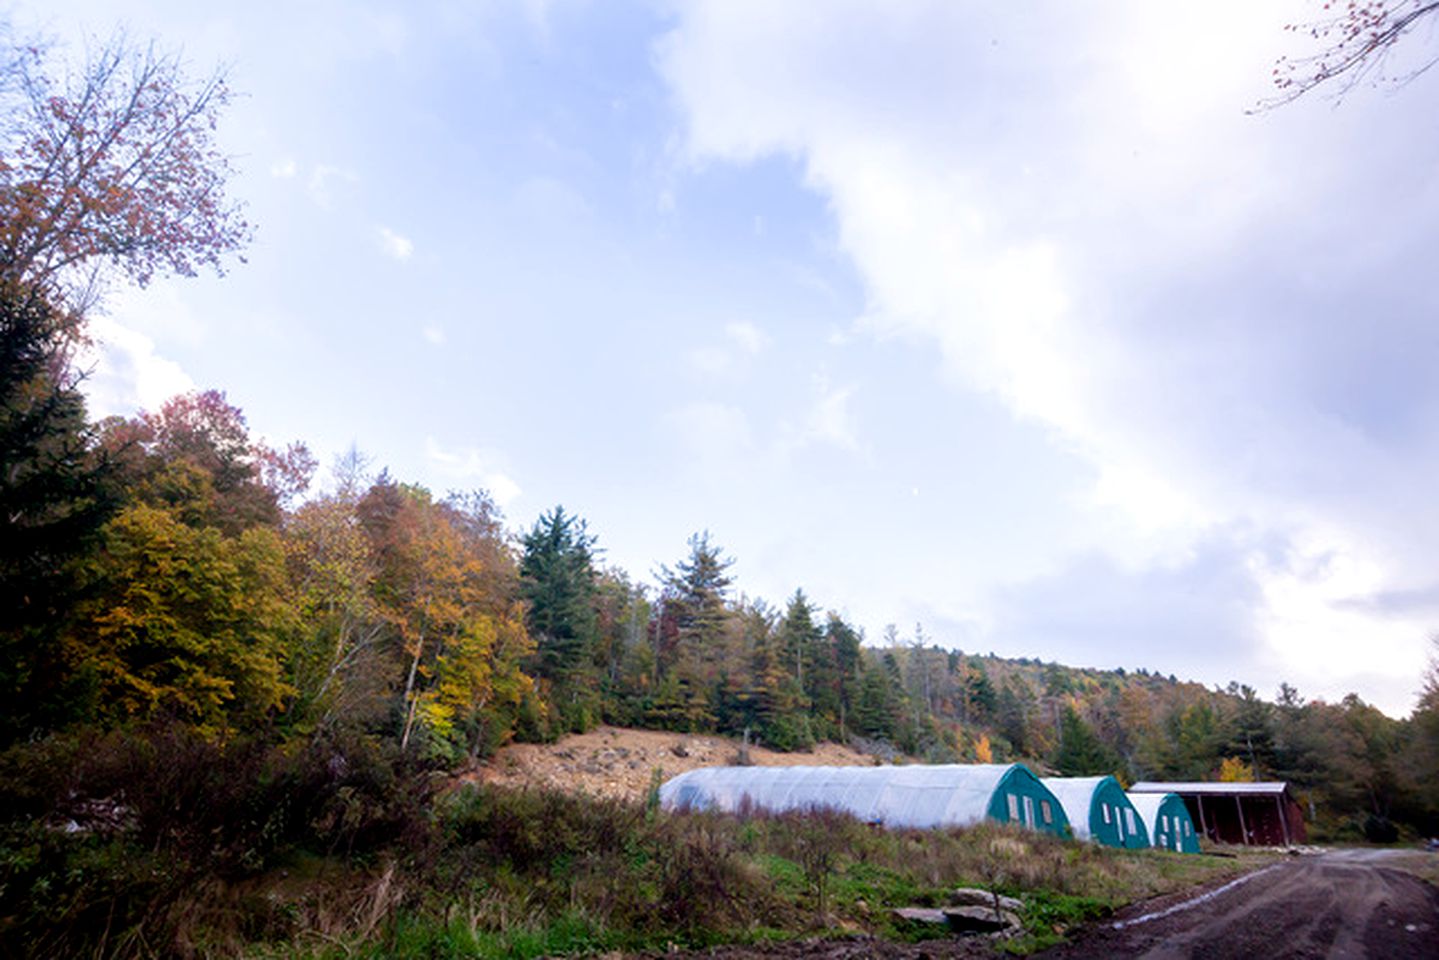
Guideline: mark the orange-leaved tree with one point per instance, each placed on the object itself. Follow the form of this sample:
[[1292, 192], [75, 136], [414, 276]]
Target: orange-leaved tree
[[447, 590]]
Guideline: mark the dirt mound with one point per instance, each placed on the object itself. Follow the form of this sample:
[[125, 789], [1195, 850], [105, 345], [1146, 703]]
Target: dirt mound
[[616, 762]]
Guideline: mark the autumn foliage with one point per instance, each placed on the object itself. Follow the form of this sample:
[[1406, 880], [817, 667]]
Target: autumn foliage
[[117, 167], [1358, 40]]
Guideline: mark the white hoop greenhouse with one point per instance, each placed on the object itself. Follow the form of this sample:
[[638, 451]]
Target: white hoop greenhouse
[[1099, 810], [919, 796], [1170, 827]]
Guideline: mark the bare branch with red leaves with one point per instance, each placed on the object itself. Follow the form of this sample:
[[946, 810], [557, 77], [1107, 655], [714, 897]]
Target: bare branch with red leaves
[[116, 167], [1359, 37]]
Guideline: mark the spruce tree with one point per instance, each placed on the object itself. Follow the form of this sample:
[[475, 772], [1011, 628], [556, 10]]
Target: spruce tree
[[56, 492], [557, 579]]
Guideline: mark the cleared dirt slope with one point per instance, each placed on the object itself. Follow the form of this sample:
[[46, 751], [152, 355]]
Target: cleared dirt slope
[[616, 762]]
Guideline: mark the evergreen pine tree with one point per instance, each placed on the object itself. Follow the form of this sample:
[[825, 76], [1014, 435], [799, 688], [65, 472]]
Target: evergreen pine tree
[[557, 579], [55, 495], [1081, 754]]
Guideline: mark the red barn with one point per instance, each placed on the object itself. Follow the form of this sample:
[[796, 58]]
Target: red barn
[[1258, 814]]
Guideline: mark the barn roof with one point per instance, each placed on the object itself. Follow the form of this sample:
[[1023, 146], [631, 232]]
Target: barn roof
[[1269, 788], [937, 795]]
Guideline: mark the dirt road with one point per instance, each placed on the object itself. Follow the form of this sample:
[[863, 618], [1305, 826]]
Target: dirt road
[[1341, 904]]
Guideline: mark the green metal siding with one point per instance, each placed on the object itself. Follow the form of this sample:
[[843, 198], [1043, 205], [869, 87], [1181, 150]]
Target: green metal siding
[[1021, 798], [1174, 828], [1113, 821]]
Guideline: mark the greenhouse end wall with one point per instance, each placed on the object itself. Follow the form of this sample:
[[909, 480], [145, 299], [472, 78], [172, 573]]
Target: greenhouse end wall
[[1168, 820], [1099, 810]]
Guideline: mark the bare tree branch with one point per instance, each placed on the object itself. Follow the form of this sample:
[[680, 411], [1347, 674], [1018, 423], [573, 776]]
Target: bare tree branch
[[1359, 40], [115, 168]]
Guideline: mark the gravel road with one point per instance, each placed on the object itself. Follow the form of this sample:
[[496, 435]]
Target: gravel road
[[1341, 904]]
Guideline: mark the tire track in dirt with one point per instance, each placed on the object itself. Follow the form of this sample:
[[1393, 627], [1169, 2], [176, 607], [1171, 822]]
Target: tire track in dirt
[[1314, 907]]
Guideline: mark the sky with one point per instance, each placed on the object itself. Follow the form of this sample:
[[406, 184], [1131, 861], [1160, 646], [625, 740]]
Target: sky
[[1010, 323]]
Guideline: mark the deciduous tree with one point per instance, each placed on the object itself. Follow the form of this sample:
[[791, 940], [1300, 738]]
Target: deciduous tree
[[188, 623], [197, 447], [116, 164]]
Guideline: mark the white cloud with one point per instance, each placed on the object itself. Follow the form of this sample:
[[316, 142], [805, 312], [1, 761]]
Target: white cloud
[[127, 374], [127, 371], [470, 465], [284, 169], [325, 178], [1073, 209], [1308, 620], [394, 245], [748, 337], [711, 360], [434, 334], [830, 420], [159, 311], [715, 437], [742, 339]]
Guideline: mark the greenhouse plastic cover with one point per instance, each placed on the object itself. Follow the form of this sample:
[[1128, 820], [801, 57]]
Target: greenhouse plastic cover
[[1148, 805], [920, 796], [1076, 796]]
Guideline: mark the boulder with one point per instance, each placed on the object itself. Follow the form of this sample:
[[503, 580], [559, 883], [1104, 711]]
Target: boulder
[[975, 897], [979, 919]]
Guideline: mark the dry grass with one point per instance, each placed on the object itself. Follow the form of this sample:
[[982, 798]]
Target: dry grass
[[339, 852]]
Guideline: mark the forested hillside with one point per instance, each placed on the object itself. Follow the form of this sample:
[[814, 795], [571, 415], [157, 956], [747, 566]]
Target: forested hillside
[[192, 576]]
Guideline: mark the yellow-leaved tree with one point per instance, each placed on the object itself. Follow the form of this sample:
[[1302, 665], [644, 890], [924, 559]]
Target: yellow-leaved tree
[[1235, 770], [446, 588], [185, 623]]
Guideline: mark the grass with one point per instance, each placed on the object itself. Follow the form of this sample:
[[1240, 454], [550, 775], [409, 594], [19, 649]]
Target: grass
[[362, 866]]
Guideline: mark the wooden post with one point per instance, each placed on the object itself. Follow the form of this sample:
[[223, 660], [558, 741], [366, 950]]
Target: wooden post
[[1203, 824], [1243, 830], [1283, 817]]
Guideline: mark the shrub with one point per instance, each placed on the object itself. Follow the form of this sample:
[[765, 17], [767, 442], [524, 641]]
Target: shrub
[[1379, 829]]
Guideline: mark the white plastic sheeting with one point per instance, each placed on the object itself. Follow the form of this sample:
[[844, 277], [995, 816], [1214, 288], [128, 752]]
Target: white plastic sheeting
[[1149, 805], [920, 796], [1076, 795]]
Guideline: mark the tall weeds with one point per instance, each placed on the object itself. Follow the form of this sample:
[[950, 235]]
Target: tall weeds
[[158, 843]]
